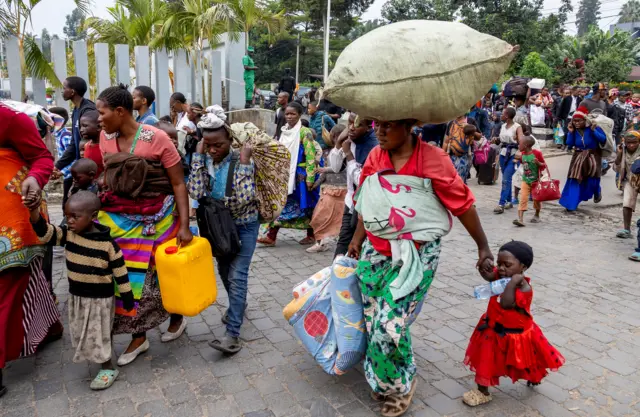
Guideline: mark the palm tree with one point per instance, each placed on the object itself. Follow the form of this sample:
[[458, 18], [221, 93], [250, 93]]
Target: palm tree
[[15, 17], [630, 12]]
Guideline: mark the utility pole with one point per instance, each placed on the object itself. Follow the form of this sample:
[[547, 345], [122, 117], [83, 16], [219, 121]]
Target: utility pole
[[327, 31], [298, 59]]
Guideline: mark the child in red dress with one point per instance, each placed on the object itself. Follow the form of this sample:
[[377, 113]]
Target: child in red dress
[[507, 342]]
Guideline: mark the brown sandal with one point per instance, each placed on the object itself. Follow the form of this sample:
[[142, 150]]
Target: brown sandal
[[475, 397], [397, 405], [265, 241]]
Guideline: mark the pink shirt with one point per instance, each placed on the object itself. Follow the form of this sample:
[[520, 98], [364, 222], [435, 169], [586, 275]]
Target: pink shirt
[[153, 144]]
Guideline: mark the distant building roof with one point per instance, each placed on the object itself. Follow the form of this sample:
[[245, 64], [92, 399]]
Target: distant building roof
[[635, 74], [633, 27]]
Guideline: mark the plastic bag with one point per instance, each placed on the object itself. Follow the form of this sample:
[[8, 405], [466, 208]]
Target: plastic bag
[[327, 315]]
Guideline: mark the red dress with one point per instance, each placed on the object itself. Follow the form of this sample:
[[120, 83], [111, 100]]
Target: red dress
[[507, 342]]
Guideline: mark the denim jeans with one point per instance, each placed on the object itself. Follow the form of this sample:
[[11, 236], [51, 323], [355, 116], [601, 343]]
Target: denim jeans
[[508, 168], [234, 273]]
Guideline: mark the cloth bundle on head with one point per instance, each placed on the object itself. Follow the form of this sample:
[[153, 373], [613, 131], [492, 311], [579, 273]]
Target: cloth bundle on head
[[581, 113], [214, 118], [522, 251]]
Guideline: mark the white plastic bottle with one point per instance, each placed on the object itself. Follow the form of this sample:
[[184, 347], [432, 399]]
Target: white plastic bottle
[[486, 291]]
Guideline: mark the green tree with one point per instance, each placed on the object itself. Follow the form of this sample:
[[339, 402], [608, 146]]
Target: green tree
[[611, 65], [398, 10], [46, 38], [73, 28], [588, 15], [630, 12], [15, 18], [534, 67], [519, 22], [362, 28]]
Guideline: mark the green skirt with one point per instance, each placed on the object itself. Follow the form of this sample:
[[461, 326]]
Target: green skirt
[[389, 364]]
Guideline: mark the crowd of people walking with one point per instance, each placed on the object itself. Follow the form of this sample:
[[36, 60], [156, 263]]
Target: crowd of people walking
[[132, 181]]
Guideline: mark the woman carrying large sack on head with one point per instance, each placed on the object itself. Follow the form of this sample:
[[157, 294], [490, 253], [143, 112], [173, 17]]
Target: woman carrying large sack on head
[[408, 188]]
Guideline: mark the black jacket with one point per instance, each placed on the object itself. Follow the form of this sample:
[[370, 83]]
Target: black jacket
[[565, 107], [72, 153]]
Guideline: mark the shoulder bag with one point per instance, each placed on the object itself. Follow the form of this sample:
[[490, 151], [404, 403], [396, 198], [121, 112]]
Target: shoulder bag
[[215, 221]]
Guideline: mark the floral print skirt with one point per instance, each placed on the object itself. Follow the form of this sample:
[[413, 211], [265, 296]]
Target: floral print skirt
[[389, 363], [90, 321]]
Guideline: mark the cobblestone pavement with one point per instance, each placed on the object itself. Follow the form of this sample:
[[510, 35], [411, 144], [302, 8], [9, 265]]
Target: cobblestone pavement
[[586, 301]]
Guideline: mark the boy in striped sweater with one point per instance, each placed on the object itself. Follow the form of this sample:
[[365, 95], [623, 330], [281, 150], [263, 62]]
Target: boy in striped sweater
[[94, 263]]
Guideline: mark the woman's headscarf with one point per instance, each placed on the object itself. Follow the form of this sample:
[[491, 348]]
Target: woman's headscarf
[[581, 113], [214, 118], [522, 252]]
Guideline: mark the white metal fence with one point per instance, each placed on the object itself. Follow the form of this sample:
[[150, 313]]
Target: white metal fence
[[198, 76]]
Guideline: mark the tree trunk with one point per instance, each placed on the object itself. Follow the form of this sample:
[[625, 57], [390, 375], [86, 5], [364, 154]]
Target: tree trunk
[[23, 68]]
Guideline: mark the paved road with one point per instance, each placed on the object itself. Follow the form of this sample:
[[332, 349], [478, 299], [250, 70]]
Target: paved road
[[586, 301]]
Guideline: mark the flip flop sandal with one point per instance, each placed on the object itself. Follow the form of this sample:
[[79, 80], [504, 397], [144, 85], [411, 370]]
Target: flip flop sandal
[[635, 257], [227, 344], [624, 234], [397, 405], [518, 223], [104, 379], [265, 241], [307, 241], [498, 210], [535, 219], [475, 398]]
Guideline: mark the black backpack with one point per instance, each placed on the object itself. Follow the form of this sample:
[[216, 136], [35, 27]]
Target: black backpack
[[216, 223]]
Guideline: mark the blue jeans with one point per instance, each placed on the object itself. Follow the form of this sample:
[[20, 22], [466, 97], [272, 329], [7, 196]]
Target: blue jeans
[[508, 168], [234, 273]]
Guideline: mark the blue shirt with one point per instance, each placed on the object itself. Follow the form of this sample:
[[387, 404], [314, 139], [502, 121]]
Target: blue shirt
[[63, 139], [148, 118], [315, 123]]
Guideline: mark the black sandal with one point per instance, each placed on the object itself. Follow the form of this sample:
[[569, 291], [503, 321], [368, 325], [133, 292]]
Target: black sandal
[[227, 344]]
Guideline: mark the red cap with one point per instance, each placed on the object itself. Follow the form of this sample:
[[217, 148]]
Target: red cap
[[171, 250]]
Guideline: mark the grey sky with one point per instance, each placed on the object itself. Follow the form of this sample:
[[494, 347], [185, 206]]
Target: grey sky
[[53, 17]]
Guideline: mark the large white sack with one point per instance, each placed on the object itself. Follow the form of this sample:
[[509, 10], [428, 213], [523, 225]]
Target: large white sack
[[417, 69]]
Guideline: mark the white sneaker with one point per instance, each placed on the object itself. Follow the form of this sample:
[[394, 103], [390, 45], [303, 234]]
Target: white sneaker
[[318, 247], [168, 336], [127, 358]]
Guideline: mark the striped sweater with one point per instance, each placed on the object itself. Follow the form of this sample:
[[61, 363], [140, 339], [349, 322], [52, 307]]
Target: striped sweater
[[94, 261]]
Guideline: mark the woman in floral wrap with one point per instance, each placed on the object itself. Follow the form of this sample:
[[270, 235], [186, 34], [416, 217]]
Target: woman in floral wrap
[[408, 191]]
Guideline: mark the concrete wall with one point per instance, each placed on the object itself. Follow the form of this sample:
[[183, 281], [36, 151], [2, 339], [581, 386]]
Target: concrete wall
[[262, 118]]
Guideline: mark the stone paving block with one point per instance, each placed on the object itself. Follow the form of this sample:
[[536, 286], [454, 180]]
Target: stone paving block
[[233, 384], [562, 381], [267, 384], [122, 407], [178, 394], [261, 413], [615, 366], [154, 409], [547, 407], [427, 412], [444, 405], [197, 329], [451, 388], [249, 400], [282, 404], [337, 395], [46, 388], [553, 392], [356, 409], [263, 323], [271, 359], [302, 390], [226, 407], [277, 335], [53, 406], [321, 408]]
